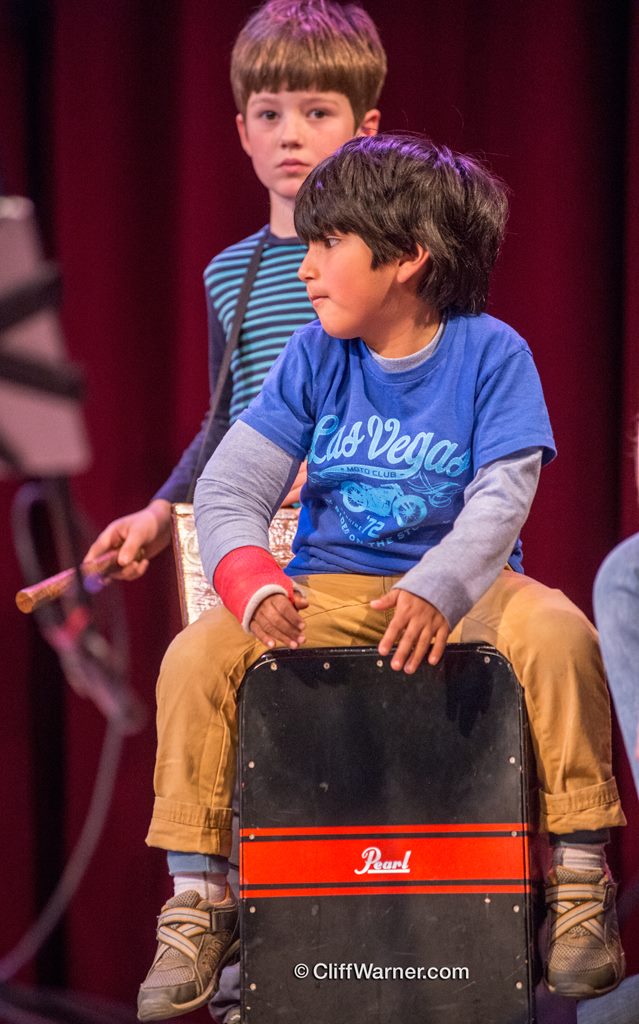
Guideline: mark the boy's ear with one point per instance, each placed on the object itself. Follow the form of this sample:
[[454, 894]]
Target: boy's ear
[[369, 124], [412, 263], [241, 131]]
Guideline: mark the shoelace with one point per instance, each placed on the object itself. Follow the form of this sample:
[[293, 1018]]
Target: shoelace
[[576, 903], [178, 927]]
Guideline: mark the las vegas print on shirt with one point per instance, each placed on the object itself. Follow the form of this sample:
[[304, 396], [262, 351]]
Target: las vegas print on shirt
[[384, 480]]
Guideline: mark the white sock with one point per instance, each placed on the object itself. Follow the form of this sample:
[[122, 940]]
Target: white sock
[[210, 885], [580, 856]]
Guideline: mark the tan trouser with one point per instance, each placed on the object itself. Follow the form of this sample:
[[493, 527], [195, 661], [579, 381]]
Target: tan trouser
[[550, 643]]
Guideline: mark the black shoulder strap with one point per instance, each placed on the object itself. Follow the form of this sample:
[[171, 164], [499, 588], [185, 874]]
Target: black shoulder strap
[[231, 345]]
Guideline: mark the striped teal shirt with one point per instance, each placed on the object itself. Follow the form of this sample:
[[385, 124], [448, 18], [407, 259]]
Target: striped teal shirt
[[277, 306]]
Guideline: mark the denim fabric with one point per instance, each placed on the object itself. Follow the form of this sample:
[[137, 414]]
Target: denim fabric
[[618, 1007], [616, 604], [228, 996], [196, 862]]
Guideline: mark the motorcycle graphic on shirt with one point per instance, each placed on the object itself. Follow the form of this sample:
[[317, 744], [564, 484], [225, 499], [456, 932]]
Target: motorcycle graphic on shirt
[[389, 499], [411, 474]]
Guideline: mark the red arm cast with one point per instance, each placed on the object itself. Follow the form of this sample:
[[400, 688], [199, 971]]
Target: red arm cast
[[245, 577]]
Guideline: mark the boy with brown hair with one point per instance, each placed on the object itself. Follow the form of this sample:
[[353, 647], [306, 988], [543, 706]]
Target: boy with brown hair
[[306, 77]]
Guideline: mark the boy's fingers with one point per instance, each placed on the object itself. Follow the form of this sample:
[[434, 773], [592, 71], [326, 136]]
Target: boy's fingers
[[292, 496], [103, 543], [393, 630], [270, 635], [404, 647], [261, 634], [283, 614], [129, 549], [133, 571], [419, 652], [388, 600], [283, 624], [439, 644], [270, 615], [137, 539]]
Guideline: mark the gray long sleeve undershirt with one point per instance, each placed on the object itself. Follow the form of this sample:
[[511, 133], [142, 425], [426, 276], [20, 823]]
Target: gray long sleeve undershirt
[[245, 481]]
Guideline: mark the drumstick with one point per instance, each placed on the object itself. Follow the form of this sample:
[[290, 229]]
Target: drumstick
[[53, 587]]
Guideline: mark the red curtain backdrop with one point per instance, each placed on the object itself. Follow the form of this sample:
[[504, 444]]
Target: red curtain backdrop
[[142, 180]]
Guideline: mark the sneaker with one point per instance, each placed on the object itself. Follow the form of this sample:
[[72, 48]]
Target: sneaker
[[585, 958], [232, 1017], [195, 941]]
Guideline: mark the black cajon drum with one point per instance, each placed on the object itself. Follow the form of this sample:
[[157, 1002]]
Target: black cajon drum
[[384, 858]]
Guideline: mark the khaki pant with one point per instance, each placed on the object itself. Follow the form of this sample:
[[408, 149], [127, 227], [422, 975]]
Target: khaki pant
[[550, 643]]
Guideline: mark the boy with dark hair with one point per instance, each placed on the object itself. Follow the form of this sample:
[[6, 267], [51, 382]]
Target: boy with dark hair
[[424, 426]]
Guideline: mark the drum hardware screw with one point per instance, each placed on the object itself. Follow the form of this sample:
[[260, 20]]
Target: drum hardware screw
[[273, 666], [511, 760], [514, 835], [519, 984], [380, 663], [516, 908], [252, 910], [327, 664], [251, 764], [486, 660], [252, 835], [253, 986], [487, 899]]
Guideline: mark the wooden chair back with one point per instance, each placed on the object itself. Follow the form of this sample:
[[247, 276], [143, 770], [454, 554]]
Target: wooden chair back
[[196, 593]]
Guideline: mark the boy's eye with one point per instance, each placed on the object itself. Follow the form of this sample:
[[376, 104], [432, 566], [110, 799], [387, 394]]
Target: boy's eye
[[331, 241], [267, 115], [317, 114]]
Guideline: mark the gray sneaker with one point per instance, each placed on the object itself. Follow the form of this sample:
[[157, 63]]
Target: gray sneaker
[[585, 958], [195, 940]]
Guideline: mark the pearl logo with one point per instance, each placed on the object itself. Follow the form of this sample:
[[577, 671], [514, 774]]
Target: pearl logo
[[374, 865]]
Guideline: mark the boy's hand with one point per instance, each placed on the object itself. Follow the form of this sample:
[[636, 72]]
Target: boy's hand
[[149, 529], [294, 493], [276, 621], [418, 623]]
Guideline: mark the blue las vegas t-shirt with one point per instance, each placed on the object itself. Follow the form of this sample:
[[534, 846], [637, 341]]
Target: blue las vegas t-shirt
[[390, 454]]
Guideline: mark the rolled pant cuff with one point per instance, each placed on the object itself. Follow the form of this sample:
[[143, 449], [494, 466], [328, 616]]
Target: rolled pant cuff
[[190, 828], [592, 807]]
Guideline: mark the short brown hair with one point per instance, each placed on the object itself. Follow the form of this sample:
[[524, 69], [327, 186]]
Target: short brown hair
[[309, 44], [400, 190]]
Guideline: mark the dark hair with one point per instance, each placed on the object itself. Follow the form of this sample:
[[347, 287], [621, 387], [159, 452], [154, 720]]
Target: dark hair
[[309, 44], [399, 190]]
